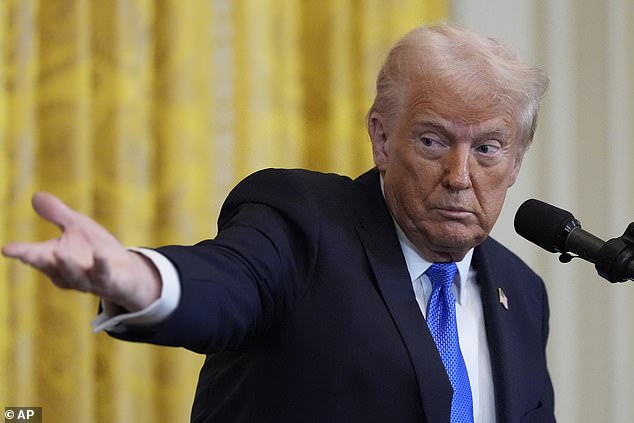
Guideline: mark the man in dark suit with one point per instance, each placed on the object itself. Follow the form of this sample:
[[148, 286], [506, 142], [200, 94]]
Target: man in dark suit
[[314, 301]]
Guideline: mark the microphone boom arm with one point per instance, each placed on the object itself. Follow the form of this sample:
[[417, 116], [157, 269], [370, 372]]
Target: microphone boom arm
[[615, 261]]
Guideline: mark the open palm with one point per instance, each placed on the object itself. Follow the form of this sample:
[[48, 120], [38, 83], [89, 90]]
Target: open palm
[[88, 258]]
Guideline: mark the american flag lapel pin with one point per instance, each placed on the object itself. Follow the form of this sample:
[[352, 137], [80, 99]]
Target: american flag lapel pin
[[502, 298]]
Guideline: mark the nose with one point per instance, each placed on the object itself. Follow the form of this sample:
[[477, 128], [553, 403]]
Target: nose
[[456, 175]]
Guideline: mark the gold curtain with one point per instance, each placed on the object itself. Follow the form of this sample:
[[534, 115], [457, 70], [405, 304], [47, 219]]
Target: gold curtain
[[143, 114]]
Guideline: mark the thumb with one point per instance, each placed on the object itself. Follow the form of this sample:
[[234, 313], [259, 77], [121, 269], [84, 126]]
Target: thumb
[[52, 209]]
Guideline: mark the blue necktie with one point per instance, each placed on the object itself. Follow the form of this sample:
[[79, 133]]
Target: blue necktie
[[441, 320]]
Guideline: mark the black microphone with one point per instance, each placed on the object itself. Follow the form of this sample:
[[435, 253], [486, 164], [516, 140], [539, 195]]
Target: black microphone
[[556, 230]]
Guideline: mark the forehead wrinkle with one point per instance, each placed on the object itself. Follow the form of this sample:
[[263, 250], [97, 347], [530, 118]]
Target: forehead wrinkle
[[425, 114], [425, 102], [470, 96]]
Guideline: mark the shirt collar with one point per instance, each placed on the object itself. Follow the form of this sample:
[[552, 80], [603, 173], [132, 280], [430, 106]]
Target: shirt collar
[[417, 265]]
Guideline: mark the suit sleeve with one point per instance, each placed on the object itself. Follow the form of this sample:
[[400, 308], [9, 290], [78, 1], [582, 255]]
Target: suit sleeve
[[234, 288]]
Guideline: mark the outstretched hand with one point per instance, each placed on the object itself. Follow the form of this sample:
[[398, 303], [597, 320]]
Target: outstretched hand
[[88, 258]]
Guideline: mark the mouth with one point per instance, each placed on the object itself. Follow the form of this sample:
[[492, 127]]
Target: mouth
[[454, 213]]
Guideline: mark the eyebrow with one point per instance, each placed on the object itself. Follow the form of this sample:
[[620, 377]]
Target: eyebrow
[[441, 127]]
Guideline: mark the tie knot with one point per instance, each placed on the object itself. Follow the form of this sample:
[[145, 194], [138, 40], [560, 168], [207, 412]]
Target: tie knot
[[442, 273]]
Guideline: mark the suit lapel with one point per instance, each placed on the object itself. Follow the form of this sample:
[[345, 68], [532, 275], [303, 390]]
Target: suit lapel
[[379, 239], [496, 318]]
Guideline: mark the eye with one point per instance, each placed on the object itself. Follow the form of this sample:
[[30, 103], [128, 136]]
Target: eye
[[488, 149], [430, 141], [431, 145], [427, 142]]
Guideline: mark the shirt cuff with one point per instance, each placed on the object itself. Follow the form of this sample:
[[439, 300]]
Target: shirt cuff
[[115, 319]]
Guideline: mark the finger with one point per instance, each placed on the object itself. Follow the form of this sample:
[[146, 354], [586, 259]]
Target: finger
[[37, 254], [56, 211], [53, 209], [14, 249]]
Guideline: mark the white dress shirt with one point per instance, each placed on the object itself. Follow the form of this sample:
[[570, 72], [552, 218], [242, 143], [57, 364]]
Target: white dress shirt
[[470, 320]]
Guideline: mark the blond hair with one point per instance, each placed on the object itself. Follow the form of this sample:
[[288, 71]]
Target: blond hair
[[477, 69]]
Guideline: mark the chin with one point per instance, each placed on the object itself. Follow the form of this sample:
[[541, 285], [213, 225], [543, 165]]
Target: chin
[[459, 242]]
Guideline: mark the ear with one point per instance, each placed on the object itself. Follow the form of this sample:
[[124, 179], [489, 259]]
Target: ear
[[379, 137]]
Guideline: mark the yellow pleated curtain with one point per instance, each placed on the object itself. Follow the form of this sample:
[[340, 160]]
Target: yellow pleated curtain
[[143, 114]]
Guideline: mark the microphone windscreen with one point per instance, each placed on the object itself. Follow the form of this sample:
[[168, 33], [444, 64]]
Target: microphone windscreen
[[543, 224]]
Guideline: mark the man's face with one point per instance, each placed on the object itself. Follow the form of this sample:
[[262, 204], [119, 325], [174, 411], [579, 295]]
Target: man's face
[[446, 169]]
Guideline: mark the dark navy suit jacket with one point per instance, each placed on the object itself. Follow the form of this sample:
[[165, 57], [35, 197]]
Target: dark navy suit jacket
[[305, 309]]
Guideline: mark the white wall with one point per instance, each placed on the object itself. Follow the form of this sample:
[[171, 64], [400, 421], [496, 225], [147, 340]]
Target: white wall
[[582, 160]]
